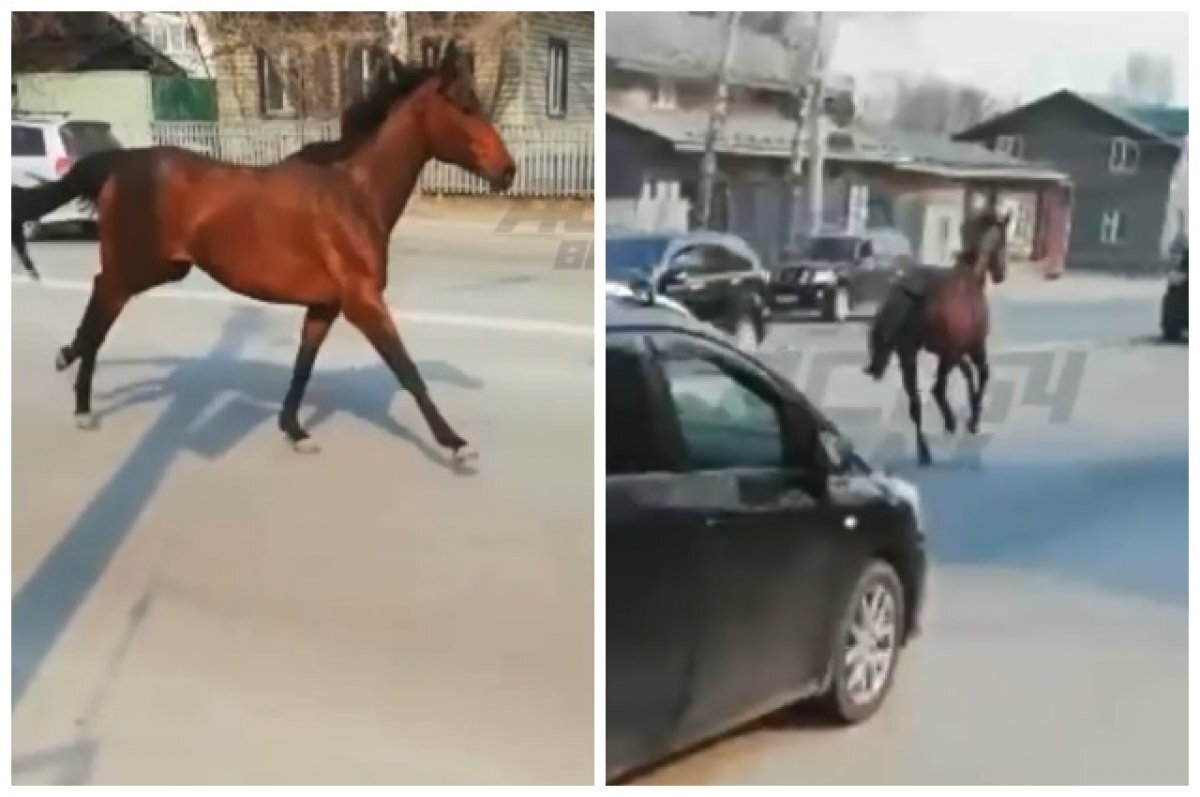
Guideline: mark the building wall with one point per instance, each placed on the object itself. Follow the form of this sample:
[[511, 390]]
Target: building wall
[[1076, 140], [578, 29], [636, 90], [123, 99]]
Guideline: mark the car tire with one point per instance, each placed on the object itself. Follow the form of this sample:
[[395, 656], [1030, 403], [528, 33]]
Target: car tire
[[836, 307], [879, 593]]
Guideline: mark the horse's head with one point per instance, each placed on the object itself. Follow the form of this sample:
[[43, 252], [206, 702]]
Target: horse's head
[[457, 129], [985, 244]]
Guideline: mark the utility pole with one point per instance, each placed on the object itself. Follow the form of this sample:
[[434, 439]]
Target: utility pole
[[716, 121], [809, 102]]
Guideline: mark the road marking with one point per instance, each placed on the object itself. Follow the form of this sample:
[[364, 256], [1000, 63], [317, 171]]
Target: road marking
[[506, 324]]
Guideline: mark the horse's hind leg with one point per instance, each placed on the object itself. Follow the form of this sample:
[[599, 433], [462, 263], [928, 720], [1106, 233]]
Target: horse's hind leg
[[979, 357], [105, 304], [939, 394], [365, 309], [908, 371], [317, 322]]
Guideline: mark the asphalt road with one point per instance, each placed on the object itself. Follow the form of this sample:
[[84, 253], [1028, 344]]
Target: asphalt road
[[1055, 646], [193, 602]]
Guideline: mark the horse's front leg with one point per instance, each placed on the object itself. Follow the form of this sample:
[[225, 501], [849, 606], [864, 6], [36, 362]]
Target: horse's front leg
[[945, 365], [979, 357], [908, 370], [365, 309]]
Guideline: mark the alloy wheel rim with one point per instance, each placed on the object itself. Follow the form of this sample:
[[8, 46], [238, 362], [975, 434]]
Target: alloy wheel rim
[[870, 645]]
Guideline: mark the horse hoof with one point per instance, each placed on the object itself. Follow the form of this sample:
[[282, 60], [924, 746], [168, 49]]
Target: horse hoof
[[86, 421], [464, 454], [306, 446]]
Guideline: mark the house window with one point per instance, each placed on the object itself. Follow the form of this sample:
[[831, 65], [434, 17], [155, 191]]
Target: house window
[[274, 97], [556, 77], [359, 67], [1112, 227], [1013, 146], [664, 94], [1123, 155]]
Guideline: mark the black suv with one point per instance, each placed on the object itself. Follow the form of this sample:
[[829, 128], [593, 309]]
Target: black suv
[[717, 276], [1174, 315], [836, 273], [753, 558]]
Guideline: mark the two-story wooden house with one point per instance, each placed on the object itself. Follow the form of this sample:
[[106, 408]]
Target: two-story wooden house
[[1127, 166]]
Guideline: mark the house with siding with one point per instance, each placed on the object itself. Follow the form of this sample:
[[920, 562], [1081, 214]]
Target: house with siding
[[1128, 169], [660, 85]]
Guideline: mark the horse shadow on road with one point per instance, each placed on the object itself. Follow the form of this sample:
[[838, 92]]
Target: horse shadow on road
[[199, 418]]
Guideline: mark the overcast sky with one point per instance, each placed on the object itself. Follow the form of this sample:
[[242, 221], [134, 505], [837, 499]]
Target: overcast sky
[[1013, 55]]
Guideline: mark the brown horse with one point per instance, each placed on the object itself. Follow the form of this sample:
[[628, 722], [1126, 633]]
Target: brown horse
[[293, 233], [946, 314]]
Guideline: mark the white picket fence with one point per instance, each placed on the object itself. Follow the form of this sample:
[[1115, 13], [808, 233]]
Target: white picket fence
[[551, 162]]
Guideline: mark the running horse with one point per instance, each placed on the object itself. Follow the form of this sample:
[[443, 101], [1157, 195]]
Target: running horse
[[311, 232], [944, 312]]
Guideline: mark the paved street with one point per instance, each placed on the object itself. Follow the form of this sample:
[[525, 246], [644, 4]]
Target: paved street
[[196, 603], [1055, 647]]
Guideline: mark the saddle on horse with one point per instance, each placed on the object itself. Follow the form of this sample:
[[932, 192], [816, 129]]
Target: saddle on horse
[[894, 318]]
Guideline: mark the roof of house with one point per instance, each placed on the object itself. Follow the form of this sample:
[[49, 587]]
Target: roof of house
[[85, 41], [770, 136], [680, 44], [1160, 122]]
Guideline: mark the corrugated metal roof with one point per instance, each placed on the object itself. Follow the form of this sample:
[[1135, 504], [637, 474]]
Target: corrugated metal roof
[[678, 44], [770, 136]]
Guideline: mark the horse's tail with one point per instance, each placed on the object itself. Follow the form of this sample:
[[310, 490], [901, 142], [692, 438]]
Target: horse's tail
[[83, 181], [884, 331]]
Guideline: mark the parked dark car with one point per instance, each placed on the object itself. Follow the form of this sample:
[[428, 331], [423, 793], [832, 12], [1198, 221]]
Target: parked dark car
[[717, 276], [1174, 314], [836, 273], [753, 558]]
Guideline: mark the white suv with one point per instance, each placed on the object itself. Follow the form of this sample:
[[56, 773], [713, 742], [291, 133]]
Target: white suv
[[44, 148]]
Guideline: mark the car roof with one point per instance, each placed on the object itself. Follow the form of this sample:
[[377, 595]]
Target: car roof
[[628, 313]]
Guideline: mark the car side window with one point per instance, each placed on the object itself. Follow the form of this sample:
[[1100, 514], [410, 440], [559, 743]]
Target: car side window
[[629, 421], [725, 423], [27, 141]]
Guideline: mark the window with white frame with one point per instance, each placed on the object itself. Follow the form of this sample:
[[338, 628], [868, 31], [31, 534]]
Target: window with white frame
[[664, 95], [1112, 227], [1123, 155], [1010, 145], [557, 72], [273, 93]]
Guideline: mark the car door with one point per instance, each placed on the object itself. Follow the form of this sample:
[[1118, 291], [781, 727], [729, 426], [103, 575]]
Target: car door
[[653, 598], [769, 542], [877, 270], [30, 156]]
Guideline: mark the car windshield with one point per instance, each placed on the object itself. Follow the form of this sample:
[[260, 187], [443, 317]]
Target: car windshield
[[84, 138], [830, 248]]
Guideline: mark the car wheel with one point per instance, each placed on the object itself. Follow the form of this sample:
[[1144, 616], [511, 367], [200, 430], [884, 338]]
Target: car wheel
[[837, 304], [866, 646]]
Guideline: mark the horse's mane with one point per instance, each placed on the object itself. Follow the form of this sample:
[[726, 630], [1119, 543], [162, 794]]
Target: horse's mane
[[392, 84]]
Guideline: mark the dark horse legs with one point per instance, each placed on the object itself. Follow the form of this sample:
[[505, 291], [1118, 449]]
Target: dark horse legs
[[978, 356], [103, 307], [366, 310], [939, 394], [908, 371], [317, 322]]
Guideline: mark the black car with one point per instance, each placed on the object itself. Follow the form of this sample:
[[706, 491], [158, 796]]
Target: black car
[[753, 558], [835, 273], [717, 276], [1174, 315]]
